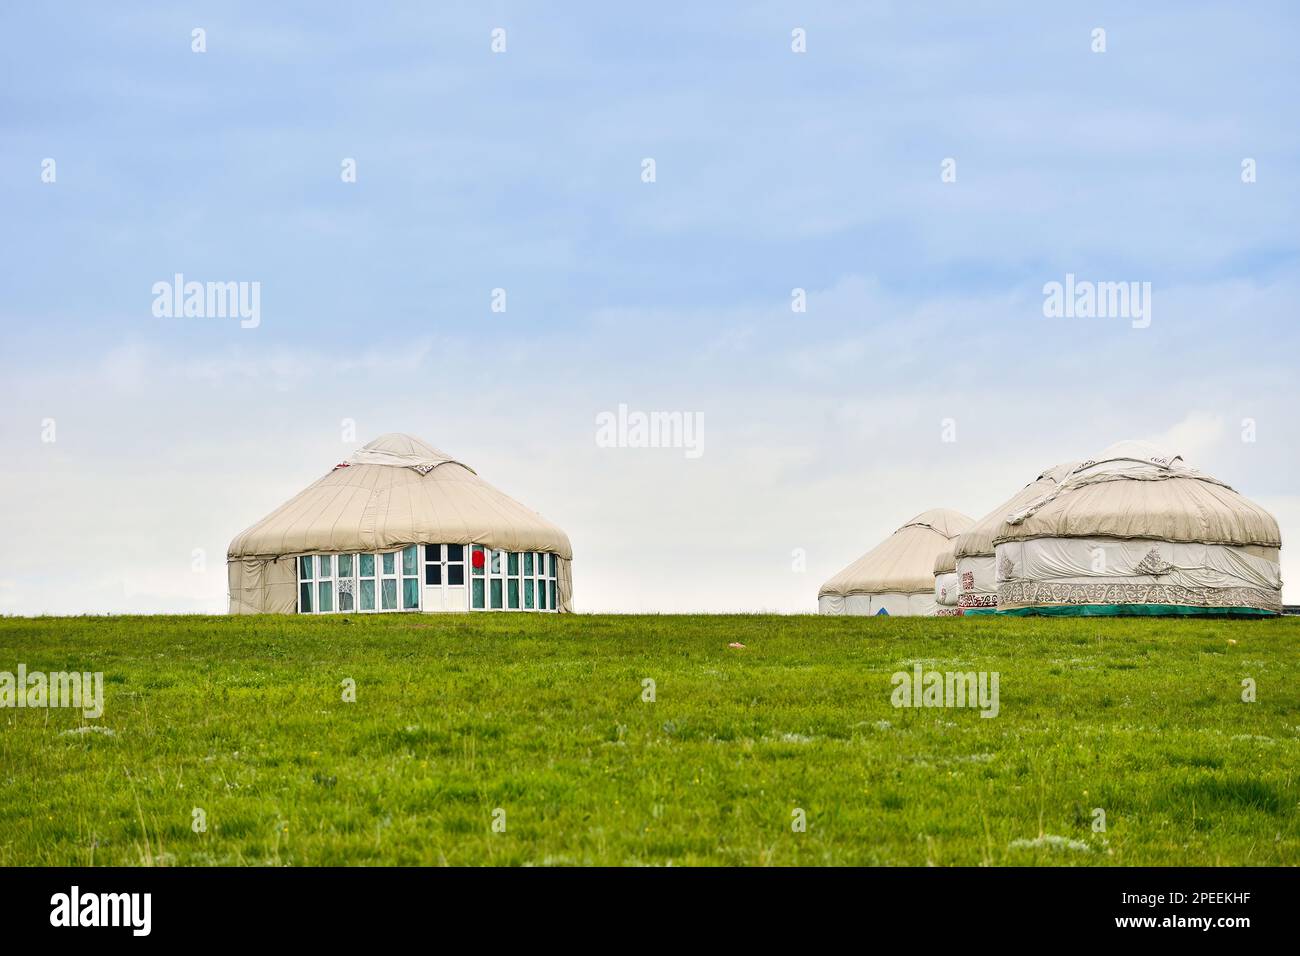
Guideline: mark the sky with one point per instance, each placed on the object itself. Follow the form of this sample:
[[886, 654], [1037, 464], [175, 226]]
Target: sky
[[920, 171]]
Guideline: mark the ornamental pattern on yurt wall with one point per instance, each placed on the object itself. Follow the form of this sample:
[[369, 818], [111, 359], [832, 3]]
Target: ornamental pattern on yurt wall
[[1036, 593], [1005, 569], [977, 600], [1153, 564]]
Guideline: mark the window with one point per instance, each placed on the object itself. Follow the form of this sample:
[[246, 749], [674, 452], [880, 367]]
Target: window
[[391, 581], [512, 581], [553, 582], [433, 564], [347, 584], [388, 581], [542, 559], [324, 584], [477, 563], [456, 564], [366, 582], [529, 583], [496, 582], [411, 578]]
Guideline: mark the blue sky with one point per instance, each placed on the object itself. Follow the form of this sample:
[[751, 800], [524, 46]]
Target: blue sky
[[522, 170]]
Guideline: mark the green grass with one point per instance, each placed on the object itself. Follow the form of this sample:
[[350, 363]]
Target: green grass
[[543, 717]]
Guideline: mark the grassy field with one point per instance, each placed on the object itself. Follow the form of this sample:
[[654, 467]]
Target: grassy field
[[543, 718]]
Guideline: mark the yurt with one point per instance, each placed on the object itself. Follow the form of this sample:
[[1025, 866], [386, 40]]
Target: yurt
[[400, 526], [945, 582], [897, 576], [1136, 531], [973, 549]]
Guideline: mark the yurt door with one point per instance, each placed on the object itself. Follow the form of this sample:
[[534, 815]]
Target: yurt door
[[444, 578]]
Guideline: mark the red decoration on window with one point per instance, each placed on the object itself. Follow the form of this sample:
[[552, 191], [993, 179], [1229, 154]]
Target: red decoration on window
[[476, 558]]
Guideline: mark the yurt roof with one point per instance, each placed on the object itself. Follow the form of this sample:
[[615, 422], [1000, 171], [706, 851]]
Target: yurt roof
[[1136, 490], [977, 540], [903, 562], [398, 490], [945, 561]]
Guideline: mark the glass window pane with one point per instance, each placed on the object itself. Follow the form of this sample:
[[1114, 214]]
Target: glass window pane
[[345, 594], [550, 595], [367, 595], [326, 566], [410, 594], [476, 559], [410, 557], [389, 595], [325, 595], [496, 562], [478, 593], [367, 563], [528, 564], [390, 563], [345, 565], [433, 574], [455, 552], [512, 564], [456, 574], [512, 593], [304, 598], [433, 552], [496, 593], [304, 568], [528, 592]]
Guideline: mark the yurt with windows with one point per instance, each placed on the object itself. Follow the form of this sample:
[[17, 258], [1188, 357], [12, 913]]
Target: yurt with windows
[[400, 526], [945, 582], [896, 577], [973, 549], [1135, 531]]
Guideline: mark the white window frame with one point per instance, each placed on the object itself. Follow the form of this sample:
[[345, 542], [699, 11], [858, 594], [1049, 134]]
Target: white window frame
[[417, 576], [355, 592], [448, 564], [328, 581], [497, 562], [441, 561], [310, 560], [373, 578]]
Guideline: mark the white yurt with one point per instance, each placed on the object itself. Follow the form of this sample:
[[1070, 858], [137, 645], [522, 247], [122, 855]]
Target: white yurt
[[1136, 531], [897, 576], [400, 526], [946, 588], [973, 549]]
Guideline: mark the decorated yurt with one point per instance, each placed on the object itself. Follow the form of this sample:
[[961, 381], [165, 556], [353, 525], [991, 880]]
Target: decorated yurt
[[973, 549], [945, 582], [1137, 531], [897, 576], [400, 526]]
